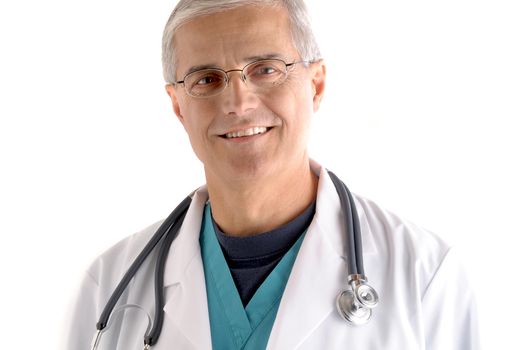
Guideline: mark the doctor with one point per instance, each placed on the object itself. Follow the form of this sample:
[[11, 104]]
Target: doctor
[[261, 254]]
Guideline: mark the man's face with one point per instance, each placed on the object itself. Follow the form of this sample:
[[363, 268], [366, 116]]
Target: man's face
[[230, 40]]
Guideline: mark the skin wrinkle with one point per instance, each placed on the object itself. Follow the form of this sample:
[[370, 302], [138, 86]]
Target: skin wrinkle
[[250, 183]]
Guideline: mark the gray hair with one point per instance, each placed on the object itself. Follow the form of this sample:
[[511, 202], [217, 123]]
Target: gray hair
[[186, 10]]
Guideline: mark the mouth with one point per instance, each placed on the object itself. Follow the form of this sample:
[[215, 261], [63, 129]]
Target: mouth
[[258, 130]]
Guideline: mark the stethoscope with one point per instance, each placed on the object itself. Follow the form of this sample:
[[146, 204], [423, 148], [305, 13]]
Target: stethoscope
[[354, 304]]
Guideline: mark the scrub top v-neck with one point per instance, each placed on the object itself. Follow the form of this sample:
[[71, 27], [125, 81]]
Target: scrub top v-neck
[[233, 326]]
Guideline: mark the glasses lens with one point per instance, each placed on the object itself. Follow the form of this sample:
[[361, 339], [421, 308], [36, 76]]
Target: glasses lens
[[206, 82], [126, 329], [266, 73]]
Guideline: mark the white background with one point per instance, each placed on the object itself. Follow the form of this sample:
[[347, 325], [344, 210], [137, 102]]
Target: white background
[[424, 113]]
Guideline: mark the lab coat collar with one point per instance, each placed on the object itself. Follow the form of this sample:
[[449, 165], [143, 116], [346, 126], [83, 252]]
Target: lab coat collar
[[331, 218], [186, 247], [185, 290]]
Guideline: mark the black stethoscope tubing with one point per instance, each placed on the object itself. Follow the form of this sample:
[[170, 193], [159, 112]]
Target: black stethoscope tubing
[[170, 228], [355, 266]]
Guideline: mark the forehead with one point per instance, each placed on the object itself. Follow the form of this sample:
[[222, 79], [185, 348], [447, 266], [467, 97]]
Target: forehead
[[234, 36]]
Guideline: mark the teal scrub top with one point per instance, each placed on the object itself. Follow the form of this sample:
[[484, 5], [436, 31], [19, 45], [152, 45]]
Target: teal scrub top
[[232, 326]]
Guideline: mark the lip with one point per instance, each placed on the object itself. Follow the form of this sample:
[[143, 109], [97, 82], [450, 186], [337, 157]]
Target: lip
[[244, 129], [243, 139]]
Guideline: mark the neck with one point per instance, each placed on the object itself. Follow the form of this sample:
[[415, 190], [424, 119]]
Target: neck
[[247, 208]]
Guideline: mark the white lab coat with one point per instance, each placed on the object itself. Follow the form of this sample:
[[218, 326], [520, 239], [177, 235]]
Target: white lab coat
[[425, 300]]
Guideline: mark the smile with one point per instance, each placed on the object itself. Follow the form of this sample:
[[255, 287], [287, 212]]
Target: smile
[[247, 132]]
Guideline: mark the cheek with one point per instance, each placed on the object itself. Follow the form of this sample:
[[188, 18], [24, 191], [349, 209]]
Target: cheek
[[294, 109], [302, 110], [196, 120], [292, 101], [298, 106], [191, 118]]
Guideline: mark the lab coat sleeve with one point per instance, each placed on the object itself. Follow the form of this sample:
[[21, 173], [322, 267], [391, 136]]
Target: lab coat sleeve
[[83, 317], [449, 308]]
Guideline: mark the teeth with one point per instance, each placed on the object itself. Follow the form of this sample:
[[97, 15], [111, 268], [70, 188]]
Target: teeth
[[247, 132]]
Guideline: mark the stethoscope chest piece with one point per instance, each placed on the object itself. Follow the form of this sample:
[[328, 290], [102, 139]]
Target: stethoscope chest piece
[[355, 303]]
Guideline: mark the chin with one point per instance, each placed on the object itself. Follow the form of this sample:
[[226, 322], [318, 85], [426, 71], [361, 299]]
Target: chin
[[246, 169]]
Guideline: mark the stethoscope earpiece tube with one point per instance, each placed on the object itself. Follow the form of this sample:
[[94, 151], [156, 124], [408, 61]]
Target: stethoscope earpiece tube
[[161, 231], [345, 202], [357, 234]]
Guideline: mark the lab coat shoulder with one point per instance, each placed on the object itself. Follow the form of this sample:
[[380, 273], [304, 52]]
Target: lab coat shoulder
[[423, 278], [404, 244], [185, 298], [97, 285], [113, 263]]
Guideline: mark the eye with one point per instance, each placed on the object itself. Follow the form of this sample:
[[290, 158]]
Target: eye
[[204, 79], [208, 79], [205, 82], [263, 70], [266, 72]]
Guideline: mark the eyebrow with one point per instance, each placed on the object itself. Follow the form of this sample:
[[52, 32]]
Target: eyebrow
[[265, 57], [246, 59]]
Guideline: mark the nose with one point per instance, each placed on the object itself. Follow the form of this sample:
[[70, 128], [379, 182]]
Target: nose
[[238, 99]]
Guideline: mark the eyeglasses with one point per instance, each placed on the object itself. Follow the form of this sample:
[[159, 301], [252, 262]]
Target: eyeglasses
[[258, 75]]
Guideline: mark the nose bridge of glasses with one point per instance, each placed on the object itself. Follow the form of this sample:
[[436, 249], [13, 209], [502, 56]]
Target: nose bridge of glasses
[[239, 96], [243, 77]]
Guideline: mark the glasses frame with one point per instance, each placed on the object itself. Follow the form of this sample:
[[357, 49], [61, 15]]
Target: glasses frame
[[243, 76]]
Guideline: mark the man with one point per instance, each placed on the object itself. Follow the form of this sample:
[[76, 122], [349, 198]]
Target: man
[[261, 255]]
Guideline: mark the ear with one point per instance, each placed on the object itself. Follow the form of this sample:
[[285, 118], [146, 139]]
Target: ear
[[318, 82], [171, 91]]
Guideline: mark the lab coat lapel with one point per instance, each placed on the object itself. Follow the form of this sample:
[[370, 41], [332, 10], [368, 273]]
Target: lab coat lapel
[[187, 319], [309, 296], [320, 271]]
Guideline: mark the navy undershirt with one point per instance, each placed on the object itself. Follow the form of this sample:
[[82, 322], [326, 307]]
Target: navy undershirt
[[251, 259]]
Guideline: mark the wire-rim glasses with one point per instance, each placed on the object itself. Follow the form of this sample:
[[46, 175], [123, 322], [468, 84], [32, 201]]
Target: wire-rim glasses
[[259, 76]]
